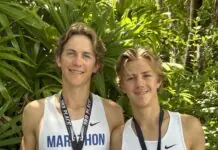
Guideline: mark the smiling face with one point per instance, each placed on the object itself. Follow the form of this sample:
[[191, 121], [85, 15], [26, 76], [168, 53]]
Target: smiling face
[[77, 61], [79, 28], [139, 75], [140, 82]]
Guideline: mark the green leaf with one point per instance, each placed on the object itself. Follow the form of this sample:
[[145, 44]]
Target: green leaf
[[110, 62], [19, 12], [7, 56], [10, 124], [5, 106], [10, 141], [4, 91], [64, 13], [49, 75], [14, 74], [5, 22], [99, 84], [48, 90], [57, 18], [11, 132]]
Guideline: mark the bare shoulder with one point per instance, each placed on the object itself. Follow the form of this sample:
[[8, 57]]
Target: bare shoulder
[[32, 113], [112, 108], [191, 123], [193, 132], [116, 138], [111, 105], [34, 108], [114, 113]]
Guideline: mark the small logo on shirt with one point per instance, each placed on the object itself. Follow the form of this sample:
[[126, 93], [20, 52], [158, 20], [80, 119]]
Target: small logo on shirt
[[93, 124], [168, 147]]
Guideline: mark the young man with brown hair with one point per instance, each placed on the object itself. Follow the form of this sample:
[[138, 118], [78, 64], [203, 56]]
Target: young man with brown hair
[[74, 118]]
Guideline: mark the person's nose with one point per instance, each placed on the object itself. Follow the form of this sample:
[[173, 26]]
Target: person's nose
[[77, 61], [139, 81]]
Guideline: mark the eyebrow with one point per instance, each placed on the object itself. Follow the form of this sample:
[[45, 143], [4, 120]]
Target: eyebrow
[[146, 72], [84, 51], [89, 53], [71, 49], [132, 74]]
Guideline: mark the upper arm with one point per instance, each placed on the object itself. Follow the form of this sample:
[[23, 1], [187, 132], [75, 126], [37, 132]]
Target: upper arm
[[116, 138], [193, 133], [30, 121]]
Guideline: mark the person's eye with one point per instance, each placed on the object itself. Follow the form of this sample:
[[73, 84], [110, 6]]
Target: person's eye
[[70, 53], [129, 78], [146, 75], [87, 56]]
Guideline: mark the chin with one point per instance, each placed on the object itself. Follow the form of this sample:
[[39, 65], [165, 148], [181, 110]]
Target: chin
[[140, 104], [144, 103], [76, 83]]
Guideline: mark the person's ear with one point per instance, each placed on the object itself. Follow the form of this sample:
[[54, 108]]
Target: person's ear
[[58, 61], [159, 82], [122, 88], [96, 68]]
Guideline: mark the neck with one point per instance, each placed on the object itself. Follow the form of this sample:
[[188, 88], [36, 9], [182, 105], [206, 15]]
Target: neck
[[76, 97], [147, 117]]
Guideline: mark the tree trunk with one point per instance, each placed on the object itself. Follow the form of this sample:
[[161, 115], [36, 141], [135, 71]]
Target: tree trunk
[[190, 49], [194, 6], [159, 3], [200, 58], [215, 12]]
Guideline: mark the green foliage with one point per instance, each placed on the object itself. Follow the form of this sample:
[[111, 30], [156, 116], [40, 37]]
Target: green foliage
[[29, 30]]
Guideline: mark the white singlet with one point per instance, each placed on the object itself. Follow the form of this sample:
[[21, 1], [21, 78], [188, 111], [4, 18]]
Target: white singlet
[[172, 140], [53, 133]]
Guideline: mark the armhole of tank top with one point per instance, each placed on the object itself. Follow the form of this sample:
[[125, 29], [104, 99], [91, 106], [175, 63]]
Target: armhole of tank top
[[127, 132], [122, 139], [47, 103], [169, 127], [97, 100], [181, 130]]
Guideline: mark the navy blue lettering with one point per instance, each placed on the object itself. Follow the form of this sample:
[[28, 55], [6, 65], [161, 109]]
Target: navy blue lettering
[[51, 141], [64, 140], [94, 139], [67, 142], [88, 139], [101, 139], [59, 141]]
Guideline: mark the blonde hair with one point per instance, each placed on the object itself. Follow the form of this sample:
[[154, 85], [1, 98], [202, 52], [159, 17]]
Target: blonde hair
[[135, 53]]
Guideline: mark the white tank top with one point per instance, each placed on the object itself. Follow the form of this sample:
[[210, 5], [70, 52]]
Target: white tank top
[[172, 140], [53, 133]]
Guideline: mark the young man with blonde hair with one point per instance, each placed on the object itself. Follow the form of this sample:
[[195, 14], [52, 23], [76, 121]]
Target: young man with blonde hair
[[140, 75]]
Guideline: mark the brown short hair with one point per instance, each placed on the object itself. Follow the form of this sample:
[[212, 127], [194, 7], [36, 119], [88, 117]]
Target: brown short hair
[[134, 53], [83, 29]]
